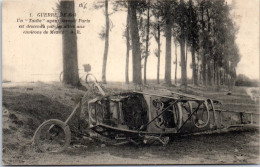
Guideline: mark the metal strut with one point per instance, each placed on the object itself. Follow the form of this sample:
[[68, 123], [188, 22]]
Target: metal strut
[[158, 115], [190, 116]]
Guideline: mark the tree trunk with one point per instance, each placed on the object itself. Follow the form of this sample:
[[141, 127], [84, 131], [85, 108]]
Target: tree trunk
[[209, 58], [203, 60], [159, 54], [209, 74], [69, 45], [106, 44], [176, 63], [232, 78], [198, 69], [183, 56], [147, 42], [145, 63], [218, 76], [194, 71], [204, 69], [200, 74], [136, 52], [225, 77], [227, 73], [222, 77], [186, 55], [214, 72], [127, 51], [168, 34], [183, 63]]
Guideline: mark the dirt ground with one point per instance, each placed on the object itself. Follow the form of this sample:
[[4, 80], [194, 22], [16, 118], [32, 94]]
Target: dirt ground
[[26, 106]]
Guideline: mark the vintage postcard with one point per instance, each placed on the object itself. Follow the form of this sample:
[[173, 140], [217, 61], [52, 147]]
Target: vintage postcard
[[130, 82]]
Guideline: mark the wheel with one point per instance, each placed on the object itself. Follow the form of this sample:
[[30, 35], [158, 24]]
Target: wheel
[[90, 79], [52, 136], [176, 111], [92, 82], [201, 117], [177, 114], [188, 109]]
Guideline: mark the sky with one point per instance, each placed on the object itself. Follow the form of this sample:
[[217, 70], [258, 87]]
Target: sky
[[32, 57], [247, 19]]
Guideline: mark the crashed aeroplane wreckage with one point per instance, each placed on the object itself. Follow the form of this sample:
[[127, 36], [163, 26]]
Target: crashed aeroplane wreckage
[[138, 117]]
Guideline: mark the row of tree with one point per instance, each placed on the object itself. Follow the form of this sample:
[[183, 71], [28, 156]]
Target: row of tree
[[202, 27]]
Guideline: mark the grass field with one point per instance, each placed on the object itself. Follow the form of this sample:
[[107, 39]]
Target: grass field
[[27, 105]]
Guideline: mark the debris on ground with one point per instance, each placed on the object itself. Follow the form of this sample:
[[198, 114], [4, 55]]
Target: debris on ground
[[24, 110]]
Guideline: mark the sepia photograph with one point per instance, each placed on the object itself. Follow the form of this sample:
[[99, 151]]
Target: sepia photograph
[[130, 82]]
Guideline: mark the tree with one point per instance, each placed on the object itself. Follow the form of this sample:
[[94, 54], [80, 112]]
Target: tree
[[218, 53], [136, 52], [156, 26], [203, 27], [127, 49], [209, 41], [143, 20], [157, 36], [104, 67], [176, 62], [104, 35], [132, 35], [193, 38], [182, 22], [69, 44], [147, 40], [122, 5], [203, 40], [168, 34]]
